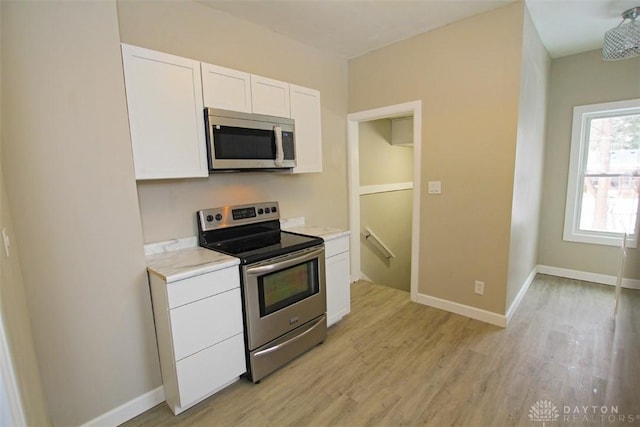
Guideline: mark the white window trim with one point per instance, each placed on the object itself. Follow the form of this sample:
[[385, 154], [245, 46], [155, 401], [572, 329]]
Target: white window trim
[[581, 116]]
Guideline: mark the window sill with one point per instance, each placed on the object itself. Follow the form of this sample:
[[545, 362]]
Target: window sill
[[613, 240]]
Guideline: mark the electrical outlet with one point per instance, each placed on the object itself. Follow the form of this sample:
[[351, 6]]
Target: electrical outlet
[[479, 287]]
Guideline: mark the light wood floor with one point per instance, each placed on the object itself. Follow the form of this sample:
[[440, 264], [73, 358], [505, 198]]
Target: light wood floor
[[393, 362]]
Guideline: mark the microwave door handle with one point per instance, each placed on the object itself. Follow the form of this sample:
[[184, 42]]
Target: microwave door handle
[[277, 130]]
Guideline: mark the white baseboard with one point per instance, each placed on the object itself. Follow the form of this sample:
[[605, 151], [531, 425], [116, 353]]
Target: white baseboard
[[587, 276], [523, 290], [128, 410], [364, 277], [477, 313], [464, 310], [154, 397]]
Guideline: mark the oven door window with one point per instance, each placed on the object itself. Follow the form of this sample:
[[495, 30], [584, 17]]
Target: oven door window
[[286, 287]]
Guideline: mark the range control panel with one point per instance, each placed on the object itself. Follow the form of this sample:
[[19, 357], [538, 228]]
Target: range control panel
[[230, 216]]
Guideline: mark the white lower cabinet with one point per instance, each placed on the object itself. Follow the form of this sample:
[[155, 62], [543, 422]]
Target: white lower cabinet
[[200, 335], [210, 370], [191, 324], [338, 279]]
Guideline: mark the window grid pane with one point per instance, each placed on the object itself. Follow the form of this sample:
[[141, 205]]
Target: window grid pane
[[609, 200], [609, 204]]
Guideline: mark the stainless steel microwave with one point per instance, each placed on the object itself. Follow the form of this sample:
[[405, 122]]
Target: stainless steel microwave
[[243, 141]]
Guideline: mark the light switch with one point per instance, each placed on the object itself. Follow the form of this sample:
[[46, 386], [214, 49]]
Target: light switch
[[435, 187]]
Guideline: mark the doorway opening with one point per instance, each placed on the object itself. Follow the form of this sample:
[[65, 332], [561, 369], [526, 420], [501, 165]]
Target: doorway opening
[[356, 189]]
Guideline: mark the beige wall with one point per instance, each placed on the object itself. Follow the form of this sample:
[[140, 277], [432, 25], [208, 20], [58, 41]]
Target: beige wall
[[192, 30], [527, 181], [380, 162], [68, 164], [468, 77], [69, 176], [15, 317], [14, 310], [387, 214], [579, 80]]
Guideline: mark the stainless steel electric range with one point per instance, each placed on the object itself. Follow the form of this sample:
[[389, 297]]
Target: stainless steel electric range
[[282, 276]]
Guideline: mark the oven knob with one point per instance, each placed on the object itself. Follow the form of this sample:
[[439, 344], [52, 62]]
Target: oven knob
[[218, 217], [274, 210], [267, 210], [209, 218], [260, 211]]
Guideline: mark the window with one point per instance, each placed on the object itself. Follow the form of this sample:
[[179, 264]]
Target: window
[[604, 174]]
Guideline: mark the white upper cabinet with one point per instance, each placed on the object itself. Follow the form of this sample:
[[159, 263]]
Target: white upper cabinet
[[270, 96], [305, 110], [226, 88], [166, 120], [166, 97]]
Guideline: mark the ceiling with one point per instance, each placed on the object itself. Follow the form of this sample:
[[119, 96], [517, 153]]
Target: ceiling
[[350, 28]]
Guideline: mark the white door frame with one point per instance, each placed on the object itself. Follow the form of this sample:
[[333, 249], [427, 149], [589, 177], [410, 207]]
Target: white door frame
[[10, 401], [353, 168]]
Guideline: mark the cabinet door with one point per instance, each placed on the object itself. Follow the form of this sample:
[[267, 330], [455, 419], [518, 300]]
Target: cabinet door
[[270, 97], [206, 322], [207, 371], [305, 110], [226, 88], [166, 120], [338, 287]]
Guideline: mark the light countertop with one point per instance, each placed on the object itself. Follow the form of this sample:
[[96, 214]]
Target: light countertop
[[327, 233], [180, 259], [188, 262]]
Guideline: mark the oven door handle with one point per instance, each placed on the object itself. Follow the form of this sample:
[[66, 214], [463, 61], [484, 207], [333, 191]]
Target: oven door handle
[[291, 340], [279, 265]]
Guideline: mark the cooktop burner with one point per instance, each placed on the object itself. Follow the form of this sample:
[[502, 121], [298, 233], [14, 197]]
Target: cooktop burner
[[249, 232]]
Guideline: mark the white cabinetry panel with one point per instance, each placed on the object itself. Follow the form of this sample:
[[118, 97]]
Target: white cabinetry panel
[[270, 97], [166, 121], [205, 322], [166, 95], [200, 339], [338, 279], [226, 88], [305, 110], [336, 246], [198, 287], [206, 372]]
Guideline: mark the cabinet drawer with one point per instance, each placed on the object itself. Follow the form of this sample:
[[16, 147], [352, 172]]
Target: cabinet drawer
[[336, 246], [208, 370], [205, 322], [205, 285]]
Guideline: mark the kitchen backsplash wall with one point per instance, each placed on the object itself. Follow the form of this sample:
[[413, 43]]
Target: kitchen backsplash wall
[[195, 31]]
